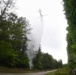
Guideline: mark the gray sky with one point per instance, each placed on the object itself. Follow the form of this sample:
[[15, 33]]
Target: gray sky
[[54, 25]]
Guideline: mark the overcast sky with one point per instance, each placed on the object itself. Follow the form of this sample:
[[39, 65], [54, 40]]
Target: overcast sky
[[53, 25]]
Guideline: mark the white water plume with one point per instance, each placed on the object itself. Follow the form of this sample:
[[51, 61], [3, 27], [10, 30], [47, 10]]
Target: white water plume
[[35, 37]]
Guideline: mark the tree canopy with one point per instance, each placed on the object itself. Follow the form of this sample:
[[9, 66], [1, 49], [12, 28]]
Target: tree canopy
[[70, 12], [13, 37], [45, 61]]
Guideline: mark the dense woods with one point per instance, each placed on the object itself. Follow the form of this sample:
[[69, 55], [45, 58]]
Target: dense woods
[[70, 12]]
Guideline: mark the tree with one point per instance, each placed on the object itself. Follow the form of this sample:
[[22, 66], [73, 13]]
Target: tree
[[60, 64], [37, 61], [18, 32], [70, 12], [22, 60], [7, 54], [13, 37], [47, 61], [5, 6]]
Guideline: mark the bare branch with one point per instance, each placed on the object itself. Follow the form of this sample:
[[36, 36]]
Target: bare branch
[[7, 6]]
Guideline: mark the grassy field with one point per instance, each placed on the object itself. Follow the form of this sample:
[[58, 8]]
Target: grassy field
[[16, 70], [64, 71]]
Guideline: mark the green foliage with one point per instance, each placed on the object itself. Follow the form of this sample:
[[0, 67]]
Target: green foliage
[[60, 65], [37, 61], [45, 61], [55, 64], [51, 73], [13, 37], [22, 61], [62, 71], [7, 54], [70, 12]]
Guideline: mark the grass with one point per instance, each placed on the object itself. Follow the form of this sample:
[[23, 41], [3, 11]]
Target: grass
[[63, 71], [16, 70], [51, 73]]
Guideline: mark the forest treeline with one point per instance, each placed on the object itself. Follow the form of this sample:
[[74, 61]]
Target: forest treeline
[[70, 13], [45, 61], [13, 41]]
